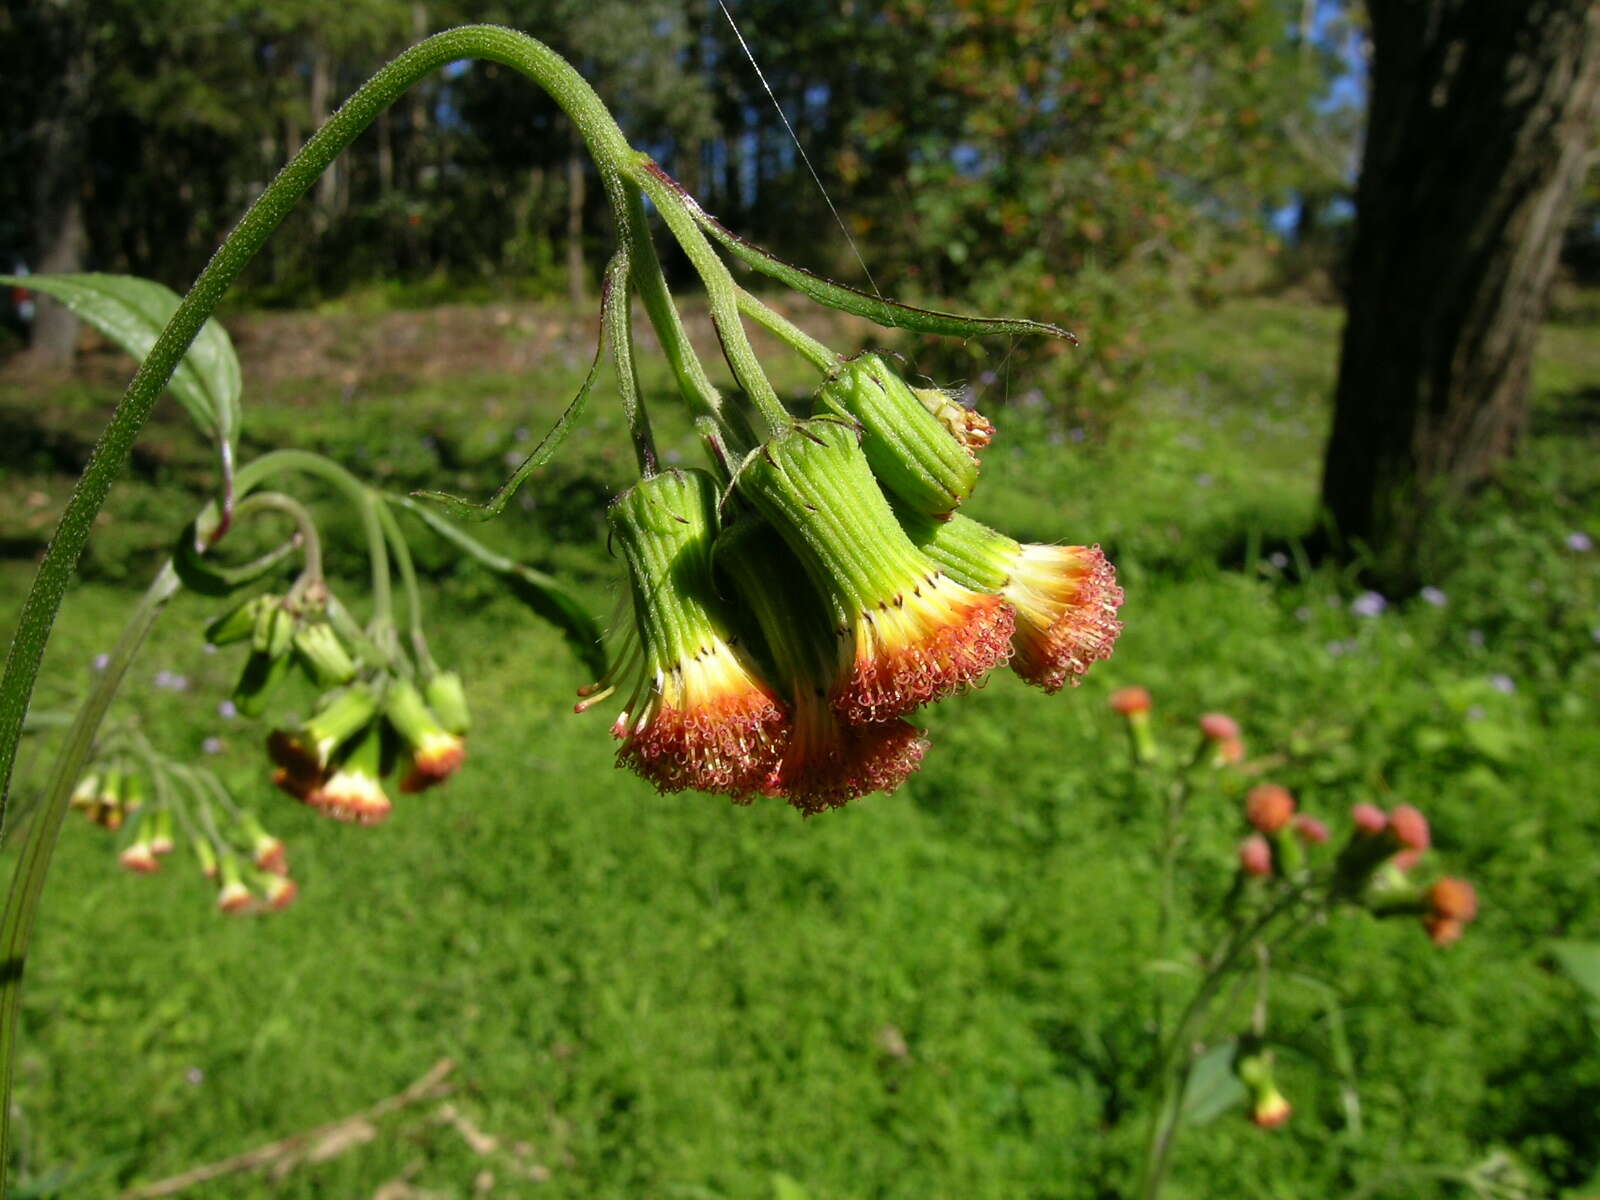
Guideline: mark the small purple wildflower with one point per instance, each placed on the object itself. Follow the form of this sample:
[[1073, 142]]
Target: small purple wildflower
[[194, 1076], [1338, 648], [208, 648], [1435, 597], [212, 745], [227, 711], [987, 378], [1580, 541], [1077, 433], [1203, 479], [1368, 604], [1503, 683], [101, 662], [1475, 713], [1302, 613], [1278, 559]]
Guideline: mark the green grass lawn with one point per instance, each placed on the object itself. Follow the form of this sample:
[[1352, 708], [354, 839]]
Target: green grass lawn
[[946, 992]]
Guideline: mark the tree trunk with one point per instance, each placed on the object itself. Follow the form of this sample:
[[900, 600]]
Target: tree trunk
[[577, 284], [59, 230], [1480, 116]]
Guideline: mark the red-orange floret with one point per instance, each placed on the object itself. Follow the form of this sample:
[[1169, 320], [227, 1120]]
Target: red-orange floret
[[708, 723], [1130, 701], [1409, 827], [1369, 819], [1255, 856], [1269, 807], [1066, 599], [826, 763], [930, 641], [1219, 727]]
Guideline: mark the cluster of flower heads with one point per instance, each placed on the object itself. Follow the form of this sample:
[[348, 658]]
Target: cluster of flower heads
[[153, 804], [785, 627], [370, 721]]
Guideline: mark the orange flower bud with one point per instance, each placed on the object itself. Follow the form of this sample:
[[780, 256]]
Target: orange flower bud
[[1269, 807]]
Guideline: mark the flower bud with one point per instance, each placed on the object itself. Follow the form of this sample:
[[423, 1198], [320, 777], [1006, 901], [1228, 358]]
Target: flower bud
[[108, 812], [1310, 830], [138, 856], [278, 891], [260, 678], [1134, 704], [701, 716], [1369, 819], [1255, 856], [207, 854], [1218, 727], [1452, 905], [436, 753], [1409, 827], [162, 840], [907, 633], [448, 699], [353, 790], [1229, 752], [234, 897], [239, 622], [1130, 701], [1065, 597], [322, 654], [913, 453], [825, 763], [967, 425], [1269, 1108], [267, 852], [306, 753], [1269, 807], [1252, 1066], [86, 794]]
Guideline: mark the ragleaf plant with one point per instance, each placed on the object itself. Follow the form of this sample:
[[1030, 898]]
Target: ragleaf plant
[[792, 604]]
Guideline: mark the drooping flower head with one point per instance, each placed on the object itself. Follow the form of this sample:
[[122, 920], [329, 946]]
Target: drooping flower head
[[436, 753], [1066, 597], [700, 716], [907, 633], [303, 755], [825, 763], [353, 790]]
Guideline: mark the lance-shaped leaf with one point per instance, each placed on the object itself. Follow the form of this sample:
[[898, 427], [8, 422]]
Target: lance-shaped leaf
[[1212, 1088], [540, 592], [465, 510], [848, 299], [132, 312]]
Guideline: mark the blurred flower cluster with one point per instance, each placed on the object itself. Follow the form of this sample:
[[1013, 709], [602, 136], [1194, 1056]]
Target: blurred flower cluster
[[152, 803]]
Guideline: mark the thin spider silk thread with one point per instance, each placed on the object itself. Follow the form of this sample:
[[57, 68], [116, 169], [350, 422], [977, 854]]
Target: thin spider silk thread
[[804, 157]]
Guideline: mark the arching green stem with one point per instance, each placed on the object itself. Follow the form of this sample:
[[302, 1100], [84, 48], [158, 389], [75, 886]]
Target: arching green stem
[[408, 583], [720, 291], [305, 525], [788, 332]]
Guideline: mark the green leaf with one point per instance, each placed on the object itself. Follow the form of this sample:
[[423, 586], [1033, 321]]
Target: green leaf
[[890, 313], [786, 1187], [1581, 962], [1212, 1088], [132, 312], [543, 593]]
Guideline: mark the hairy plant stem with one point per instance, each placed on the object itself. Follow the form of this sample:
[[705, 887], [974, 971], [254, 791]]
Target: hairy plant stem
[[786, 331], [1176, 1054], [721, 290]]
